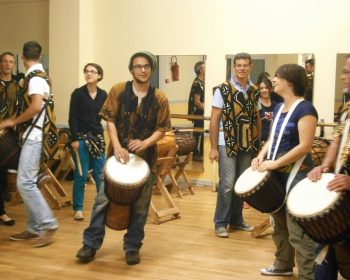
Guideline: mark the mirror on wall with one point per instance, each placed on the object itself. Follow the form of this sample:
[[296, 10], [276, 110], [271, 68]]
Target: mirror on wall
[[341, 95], [176, 78]]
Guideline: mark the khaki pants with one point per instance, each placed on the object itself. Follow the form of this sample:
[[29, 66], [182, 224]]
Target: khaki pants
[[291, 241]]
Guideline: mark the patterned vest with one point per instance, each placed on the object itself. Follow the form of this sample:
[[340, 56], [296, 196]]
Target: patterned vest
[[8, 98], [50, 131], [240, 116]]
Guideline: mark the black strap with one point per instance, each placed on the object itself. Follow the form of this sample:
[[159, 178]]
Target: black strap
[[131, 106], [33, 124]]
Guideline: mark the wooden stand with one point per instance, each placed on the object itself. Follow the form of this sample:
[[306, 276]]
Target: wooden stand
[[259, 230], [53, 191], [179, 165], [163, 215]]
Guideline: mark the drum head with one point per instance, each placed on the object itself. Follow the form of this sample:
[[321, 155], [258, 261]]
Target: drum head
[[308, 199], [248, 180], [133, 172]]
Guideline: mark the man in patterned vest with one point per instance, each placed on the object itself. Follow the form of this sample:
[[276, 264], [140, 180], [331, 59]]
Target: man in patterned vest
[[8, 92], [41, 224], [234, 139]]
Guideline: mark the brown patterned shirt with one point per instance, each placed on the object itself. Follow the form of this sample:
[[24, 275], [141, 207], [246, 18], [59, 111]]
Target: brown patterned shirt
[[157, 117]]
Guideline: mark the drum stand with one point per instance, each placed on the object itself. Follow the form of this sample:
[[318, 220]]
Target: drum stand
[[53, 191], [180, 165], [259, 230], [162, 215]]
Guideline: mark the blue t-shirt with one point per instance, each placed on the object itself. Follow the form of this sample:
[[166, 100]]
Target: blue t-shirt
[[290, 137], [266, 116]]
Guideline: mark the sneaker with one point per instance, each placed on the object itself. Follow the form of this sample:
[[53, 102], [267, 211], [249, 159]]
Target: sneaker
[[221, 232], [132, 257], [25, 235], [78, 216], [243, 226], [45, 238], [272, 271]]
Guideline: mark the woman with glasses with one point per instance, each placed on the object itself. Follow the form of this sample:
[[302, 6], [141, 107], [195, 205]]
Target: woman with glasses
[[87, 140]]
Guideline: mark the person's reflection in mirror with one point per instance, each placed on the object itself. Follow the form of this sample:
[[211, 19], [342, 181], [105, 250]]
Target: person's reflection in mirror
[[310, 68], [196, 107]]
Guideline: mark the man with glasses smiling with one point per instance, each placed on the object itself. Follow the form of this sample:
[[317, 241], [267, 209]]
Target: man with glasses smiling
[[235, 114], [137, 116]]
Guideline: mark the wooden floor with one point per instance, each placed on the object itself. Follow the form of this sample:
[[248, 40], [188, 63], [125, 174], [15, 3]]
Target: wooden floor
[[185, 248]]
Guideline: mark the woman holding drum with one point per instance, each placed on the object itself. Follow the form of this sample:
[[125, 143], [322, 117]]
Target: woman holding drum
[[286, 155], [137, 116]]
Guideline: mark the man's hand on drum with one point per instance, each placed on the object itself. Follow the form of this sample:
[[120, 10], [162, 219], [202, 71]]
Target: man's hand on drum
[[137, 145], [214, 155], [340, 183], [316, 173], [7, 123], [121, 154]]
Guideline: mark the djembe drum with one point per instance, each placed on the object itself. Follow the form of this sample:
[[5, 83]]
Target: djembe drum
[[324, 214], [123, 186], [185, 141], [260, 190]]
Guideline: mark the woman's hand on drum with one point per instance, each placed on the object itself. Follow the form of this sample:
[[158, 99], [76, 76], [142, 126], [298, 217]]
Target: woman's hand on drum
[[267, 165], [121, 154], [316, 173], [256, 163], [214, 155]]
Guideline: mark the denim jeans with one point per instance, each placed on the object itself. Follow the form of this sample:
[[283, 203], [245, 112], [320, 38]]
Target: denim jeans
[[94, 234], [87, 162], [228, 205], [39, 214]]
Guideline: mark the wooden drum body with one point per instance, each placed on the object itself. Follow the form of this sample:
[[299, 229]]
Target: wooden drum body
[[123, 186], [185, 141], [260, 190], [9, 146], [324, 214]]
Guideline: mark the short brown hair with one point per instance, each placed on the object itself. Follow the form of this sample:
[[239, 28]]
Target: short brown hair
[[294, 74], [242, 56]]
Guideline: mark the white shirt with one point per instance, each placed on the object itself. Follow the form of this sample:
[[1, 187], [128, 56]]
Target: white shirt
[[37, 85]]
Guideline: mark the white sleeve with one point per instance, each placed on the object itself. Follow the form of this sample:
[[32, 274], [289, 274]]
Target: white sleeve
[[38, 85], [218, 102]]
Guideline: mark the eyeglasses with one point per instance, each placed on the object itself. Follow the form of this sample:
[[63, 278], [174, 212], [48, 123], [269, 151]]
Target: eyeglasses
[[139, 67], [94, 72]]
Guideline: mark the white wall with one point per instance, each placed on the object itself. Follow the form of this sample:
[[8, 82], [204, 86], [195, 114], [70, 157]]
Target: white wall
[[217, 28]]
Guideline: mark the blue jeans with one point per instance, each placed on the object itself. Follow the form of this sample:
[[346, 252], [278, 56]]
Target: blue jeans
[[228, 205], [86, 161], [94, 234], [39, 214]]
